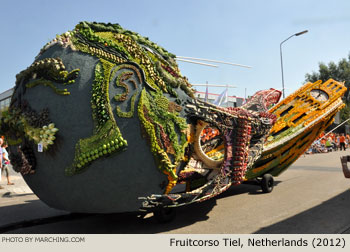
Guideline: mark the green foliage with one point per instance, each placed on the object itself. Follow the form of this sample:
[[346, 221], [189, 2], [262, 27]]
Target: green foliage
[[99, 101], [15, 125], [46, 71], [338, 71], [107, 141], [47, 83], [116, 28], [106, 138], [345, 113], [130, 113], [164, 130], [3, 110], [117, 45]]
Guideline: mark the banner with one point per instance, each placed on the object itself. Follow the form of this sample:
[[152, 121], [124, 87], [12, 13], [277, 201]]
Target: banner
[[222, 98]]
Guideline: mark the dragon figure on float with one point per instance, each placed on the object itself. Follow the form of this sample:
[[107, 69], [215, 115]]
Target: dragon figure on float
[[103, 121]]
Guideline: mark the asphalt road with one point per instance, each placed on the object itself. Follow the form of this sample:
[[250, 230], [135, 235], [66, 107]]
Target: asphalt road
[[312, 196]]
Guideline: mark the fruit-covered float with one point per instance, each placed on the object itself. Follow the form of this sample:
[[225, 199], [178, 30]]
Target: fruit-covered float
[[103, 121]]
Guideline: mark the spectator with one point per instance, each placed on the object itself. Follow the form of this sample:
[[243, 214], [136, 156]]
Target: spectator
[[6, 163], [342, 142], [329, 145], [1, 142]]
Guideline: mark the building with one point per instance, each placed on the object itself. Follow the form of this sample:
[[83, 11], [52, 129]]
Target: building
[[233, 101], [5, 98]]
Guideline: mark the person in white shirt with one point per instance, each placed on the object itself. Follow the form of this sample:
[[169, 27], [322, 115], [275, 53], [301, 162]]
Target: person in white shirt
[[5, 163], [1, 142]]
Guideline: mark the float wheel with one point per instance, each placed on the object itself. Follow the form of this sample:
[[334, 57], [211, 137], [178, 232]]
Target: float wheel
[[267, 183]]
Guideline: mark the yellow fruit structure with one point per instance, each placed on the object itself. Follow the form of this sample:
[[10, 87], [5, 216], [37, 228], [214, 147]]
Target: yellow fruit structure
[[301, 117]]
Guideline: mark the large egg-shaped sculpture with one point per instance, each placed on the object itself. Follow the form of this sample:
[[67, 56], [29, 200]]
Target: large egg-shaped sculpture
[[103, 122]]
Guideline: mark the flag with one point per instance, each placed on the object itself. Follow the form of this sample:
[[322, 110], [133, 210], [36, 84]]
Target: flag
[[222, 98], [206, 95]]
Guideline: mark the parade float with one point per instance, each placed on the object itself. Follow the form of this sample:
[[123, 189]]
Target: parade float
[[103, 122]]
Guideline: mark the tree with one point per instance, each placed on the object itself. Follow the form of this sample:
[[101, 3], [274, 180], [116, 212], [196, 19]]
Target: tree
[[339, 72]]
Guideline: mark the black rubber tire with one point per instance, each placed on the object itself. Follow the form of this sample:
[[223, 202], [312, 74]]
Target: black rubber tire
[[165, 214], [267, 183]]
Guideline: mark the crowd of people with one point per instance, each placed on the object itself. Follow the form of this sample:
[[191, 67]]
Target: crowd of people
[[330, 142]]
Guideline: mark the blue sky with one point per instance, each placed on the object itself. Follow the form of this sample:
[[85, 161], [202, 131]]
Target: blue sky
[[245, 32]]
